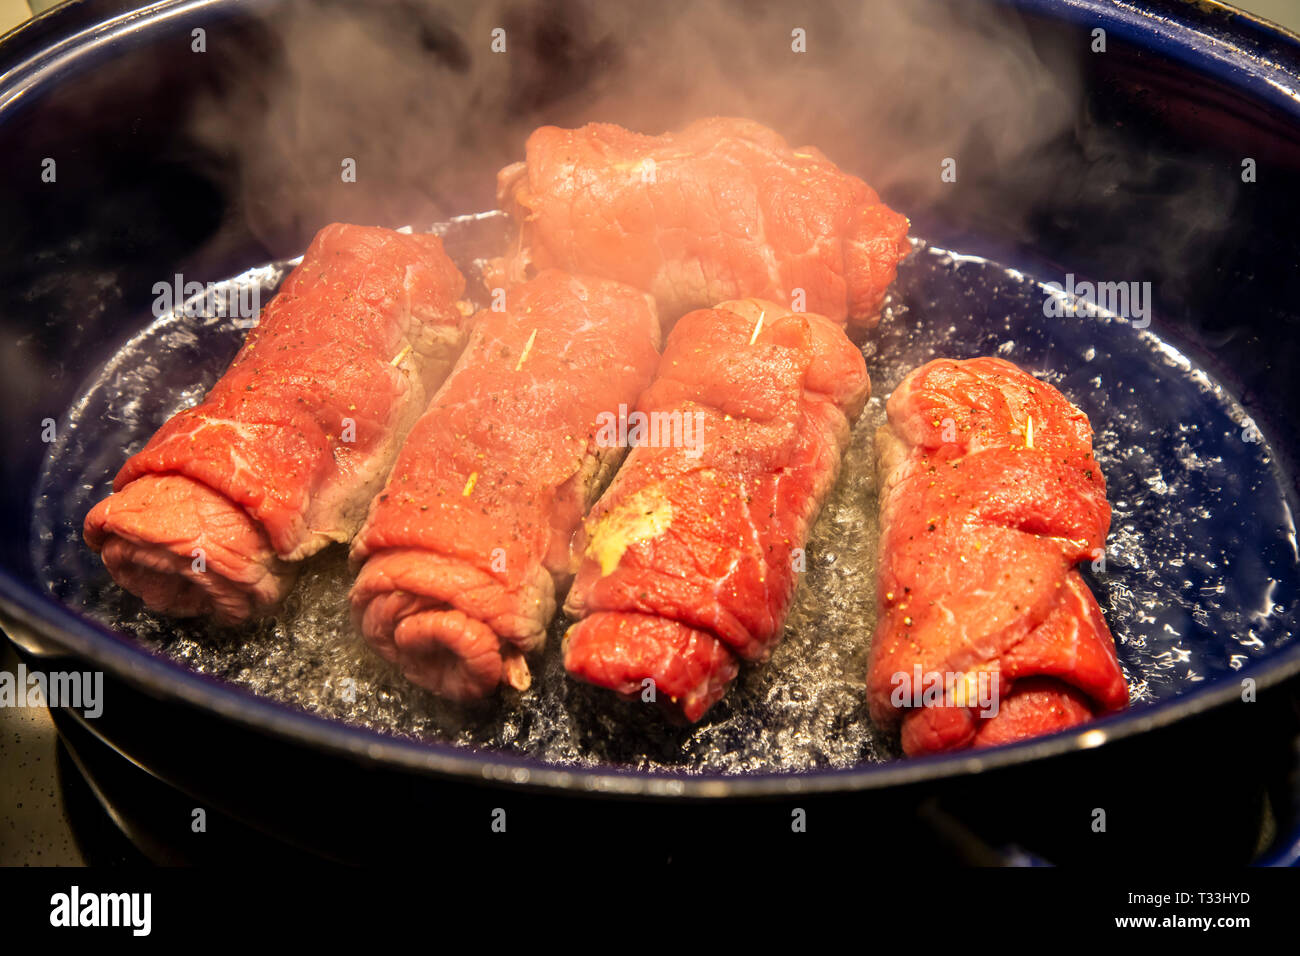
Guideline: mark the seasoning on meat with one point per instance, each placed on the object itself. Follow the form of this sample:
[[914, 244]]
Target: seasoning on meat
[[990, 495], [461, 553], [285, 452], [690, 560], [724, 209]]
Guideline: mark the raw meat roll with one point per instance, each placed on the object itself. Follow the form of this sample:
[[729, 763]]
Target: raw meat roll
[[690, 560], [288, 448], [990, 495], [724, 209], [462, 552]]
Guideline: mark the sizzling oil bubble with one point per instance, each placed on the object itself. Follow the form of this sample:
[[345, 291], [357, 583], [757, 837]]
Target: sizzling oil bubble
[[1200, 570]]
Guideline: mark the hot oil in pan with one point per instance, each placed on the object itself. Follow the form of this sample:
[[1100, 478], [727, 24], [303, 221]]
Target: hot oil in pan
[[1200, 573]]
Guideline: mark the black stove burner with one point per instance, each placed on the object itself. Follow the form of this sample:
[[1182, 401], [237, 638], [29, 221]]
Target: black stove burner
[[122, 815]]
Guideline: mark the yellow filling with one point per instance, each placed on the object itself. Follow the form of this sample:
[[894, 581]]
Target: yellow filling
[[645, 515]]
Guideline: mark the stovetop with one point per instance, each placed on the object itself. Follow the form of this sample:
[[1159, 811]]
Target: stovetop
[[70, 799]]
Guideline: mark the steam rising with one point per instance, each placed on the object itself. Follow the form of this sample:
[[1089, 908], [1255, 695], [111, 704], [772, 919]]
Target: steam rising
[[414, 92]]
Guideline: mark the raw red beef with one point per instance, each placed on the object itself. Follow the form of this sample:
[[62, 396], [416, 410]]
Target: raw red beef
[[990, 495], [690, 560], [724, 209], [287, 449], [461, 552]]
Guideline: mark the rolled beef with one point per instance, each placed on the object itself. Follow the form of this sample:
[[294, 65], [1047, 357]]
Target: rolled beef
[[288, 448], [690, 560], [464, 549], [990, 495], [723, 209]]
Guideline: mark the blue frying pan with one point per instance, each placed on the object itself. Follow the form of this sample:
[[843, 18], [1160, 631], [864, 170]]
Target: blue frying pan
[[1141, 257]]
